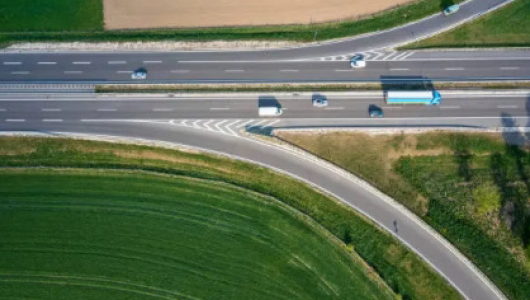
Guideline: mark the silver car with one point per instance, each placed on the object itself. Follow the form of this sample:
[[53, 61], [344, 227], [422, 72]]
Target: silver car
[[139, 75]]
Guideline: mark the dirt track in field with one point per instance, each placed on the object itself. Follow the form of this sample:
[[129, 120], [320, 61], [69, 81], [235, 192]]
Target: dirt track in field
[[121, 14]]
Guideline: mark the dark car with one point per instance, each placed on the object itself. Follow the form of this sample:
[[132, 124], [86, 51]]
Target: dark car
[[375, 111]]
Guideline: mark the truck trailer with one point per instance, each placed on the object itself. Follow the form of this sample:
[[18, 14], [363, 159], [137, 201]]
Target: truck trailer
[[414, 97]]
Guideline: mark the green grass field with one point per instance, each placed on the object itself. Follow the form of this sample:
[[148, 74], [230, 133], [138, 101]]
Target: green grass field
[[506, 27], [126, 235], [473, 188], [73, 22], [51, 15], [403, 271]]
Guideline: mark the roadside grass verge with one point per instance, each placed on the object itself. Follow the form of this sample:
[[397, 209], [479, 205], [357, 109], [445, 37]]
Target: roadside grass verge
[[301, 33], [51, 15], [506, 27], [166, 235], [402, 270], [472, 188], [303, 87]]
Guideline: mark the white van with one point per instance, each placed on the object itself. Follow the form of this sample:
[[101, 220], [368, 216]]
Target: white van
[[269, 111]]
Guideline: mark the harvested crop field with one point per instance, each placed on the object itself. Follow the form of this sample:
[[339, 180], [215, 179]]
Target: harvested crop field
[[120, 14]]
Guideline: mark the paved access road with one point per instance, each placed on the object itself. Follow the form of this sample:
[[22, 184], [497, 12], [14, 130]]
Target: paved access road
[[114, 117]]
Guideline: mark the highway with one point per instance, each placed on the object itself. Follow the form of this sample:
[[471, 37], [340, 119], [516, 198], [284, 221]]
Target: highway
[[77, 107], [105, 68], [155, 119]]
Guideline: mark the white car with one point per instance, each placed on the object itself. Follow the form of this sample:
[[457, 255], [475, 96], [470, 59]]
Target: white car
[[139, 75], [357, 61]]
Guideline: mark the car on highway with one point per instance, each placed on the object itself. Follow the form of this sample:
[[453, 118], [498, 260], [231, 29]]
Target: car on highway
[[139, 74], [357, 61], [451, 9], [375, 111], [320, 102]]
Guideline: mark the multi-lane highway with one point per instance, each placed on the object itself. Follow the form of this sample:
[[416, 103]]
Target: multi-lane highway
[[168, 68], [460, 107]]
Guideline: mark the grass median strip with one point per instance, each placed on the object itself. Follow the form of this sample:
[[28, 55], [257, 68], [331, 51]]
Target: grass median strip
[[403, 271], [472, 188]]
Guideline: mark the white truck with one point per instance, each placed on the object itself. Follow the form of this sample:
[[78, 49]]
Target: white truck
[[269, 111]]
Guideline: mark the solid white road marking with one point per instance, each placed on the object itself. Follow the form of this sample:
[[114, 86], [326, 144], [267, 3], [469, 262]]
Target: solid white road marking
[[219, 108], [12, 63], [15, 120], [47, 63], [81, 62], [334, 108], [399, 69], [507, 106], [73, 72], [106, 109], [52, 120], [406, 56], [20, 73], [454, 69], [51, 109], [116, 62], [162, 109], [509, 68]]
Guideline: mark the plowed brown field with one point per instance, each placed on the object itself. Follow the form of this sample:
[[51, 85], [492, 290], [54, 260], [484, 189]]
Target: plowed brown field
[[213, 13]]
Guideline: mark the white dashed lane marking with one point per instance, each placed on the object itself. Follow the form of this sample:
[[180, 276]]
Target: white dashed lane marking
[[454, 69], [152, 61], [81, 62], [52, 120], [12, 63], [47, 63], [399, 69], [162, 109], [15, 120], [73, 72], [234, 71], [20, 73], [219, 108], [51, 109], [334, 108], [124, 72], [509, 68], [179, 71], [449, 107], [106, 109], [116, 62], [289, 70], [507, 106]]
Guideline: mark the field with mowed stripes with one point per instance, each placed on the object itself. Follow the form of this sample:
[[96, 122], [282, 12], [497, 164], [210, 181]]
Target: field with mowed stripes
[[94, 234]]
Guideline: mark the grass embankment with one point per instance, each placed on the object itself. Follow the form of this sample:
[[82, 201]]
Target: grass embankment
[[90, 27], [303, 87], [403, 271], [473, 188], [506, 27], [112, 234]]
